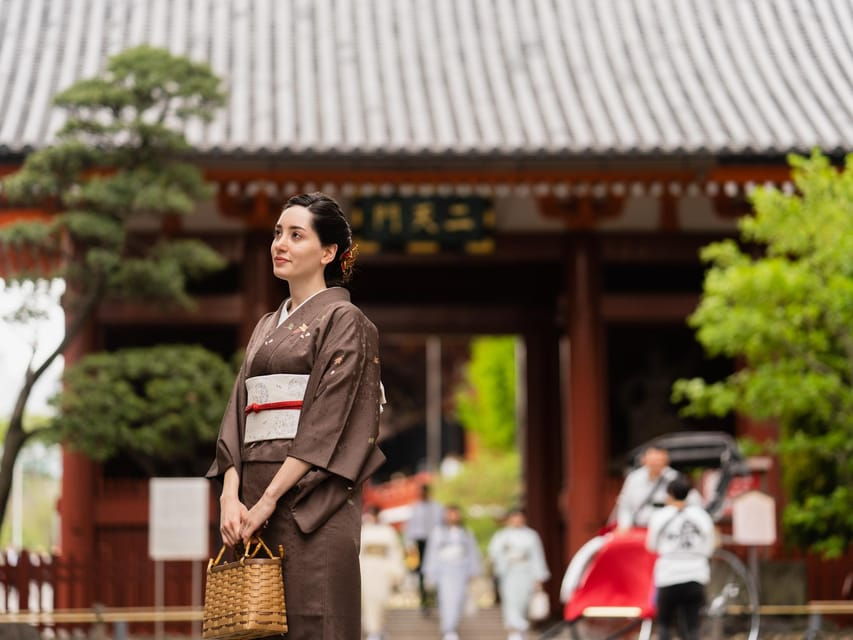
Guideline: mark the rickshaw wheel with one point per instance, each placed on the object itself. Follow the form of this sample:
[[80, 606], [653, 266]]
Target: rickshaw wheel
[[731, 607]]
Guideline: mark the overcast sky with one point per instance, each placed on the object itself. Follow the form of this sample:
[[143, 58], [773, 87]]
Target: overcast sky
[[16, 346]]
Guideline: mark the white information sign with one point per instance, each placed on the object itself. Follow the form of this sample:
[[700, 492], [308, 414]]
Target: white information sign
[[179, 519], [754, 519]]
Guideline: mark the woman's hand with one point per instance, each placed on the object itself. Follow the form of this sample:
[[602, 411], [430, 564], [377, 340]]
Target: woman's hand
[[257, 516], [233, 514]]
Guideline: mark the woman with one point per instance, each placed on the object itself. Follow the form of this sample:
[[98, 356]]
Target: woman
[[519, 564], [299, 433], [382, 570], [451, 561]]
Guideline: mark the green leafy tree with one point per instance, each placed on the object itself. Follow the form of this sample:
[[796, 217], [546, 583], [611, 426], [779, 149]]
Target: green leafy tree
[[486, 402], [119, 158], [156, 406], [787, 313], [489, 485]]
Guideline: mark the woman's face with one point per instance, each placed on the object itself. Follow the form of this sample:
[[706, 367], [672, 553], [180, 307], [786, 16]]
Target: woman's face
[[516, 519], [296, 250]]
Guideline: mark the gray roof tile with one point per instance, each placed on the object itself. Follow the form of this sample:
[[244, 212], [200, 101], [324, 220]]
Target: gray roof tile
[[509, 77]]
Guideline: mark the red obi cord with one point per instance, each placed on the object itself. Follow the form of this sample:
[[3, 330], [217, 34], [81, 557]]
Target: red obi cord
[[267, 406]]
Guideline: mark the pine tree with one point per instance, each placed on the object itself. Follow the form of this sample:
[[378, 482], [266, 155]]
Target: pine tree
[[120, 157]]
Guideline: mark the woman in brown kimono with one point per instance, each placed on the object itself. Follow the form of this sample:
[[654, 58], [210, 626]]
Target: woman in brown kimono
[[299, 434]]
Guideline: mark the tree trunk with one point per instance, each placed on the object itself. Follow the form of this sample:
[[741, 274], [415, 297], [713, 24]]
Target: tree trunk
[[16, 436], [12, 444]]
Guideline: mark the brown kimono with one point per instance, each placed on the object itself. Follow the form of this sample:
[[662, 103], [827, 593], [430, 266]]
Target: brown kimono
[[318, 521]]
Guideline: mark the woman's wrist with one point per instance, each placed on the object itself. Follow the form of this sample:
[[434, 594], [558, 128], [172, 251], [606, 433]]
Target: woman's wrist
[[272, 495], [230, 485]]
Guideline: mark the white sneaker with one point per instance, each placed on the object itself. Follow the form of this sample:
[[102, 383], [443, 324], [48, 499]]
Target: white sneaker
[[515, 635], [452, 635]]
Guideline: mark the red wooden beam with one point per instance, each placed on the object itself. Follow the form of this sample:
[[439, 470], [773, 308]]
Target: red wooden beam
[[210, 309], [500, 175], [454, 175], [643, 308]]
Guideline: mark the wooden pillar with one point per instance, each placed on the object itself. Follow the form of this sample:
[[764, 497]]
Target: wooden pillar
[[542, 447], [583, 431], [77, 507], [257, 285], [77, 530]]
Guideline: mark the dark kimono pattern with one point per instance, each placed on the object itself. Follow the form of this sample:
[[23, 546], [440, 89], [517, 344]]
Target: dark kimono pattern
[[318, 521]]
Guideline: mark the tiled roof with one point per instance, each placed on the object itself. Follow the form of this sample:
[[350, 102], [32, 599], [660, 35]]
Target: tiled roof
[[463, 77]]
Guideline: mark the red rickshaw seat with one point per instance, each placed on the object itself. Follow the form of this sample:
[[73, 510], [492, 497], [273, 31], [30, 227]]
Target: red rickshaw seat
[[620, 575]]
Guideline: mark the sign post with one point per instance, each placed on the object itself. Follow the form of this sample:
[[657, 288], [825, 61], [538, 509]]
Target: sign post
[[179, 526], [754, 525]]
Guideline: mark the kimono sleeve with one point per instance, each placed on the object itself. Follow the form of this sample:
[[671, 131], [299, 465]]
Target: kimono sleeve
[[338, 429], [540, 567], [496, 554], [397, 557], [474, 562], [430, 566], [229, 443]]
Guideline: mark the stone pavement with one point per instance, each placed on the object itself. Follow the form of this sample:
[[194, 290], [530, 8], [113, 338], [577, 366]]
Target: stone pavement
[[408, 624]]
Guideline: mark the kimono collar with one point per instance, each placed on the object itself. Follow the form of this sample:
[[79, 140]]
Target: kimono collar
[[284, 313], [314, 302]]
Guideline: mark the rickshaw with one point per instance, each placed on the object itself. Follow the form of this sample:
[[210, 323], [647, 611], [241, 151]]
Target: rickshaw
[[610, 577]]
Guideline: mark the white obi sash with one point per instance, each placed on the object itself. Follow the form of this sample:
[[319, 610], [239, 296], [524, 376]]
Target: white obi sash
[[269, 423]]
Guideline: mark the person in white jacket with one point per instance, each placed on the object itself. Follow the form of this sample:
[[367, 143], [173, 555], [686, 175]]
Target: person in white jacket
[[518, 561], [382, 569], [644, 490], [683, 537], [451, 560]]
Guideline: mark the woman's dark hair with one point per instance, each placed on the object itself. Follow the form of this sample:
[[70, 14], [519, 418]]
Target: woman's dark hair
[[679, 487], [332, 228]]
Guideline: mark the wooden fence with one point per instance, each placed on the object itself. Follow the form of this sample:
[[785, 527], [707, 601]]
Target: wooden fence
[[30, 583], [27, 581]]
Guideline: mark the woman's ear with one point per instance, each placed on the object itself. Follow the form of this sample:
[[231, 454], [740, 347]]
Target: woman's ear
[[329, 253]]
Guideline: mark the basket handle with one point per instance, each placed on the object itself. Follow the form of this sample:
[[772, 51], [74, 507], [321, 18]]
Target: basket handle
[[248, 552], [259, 544]]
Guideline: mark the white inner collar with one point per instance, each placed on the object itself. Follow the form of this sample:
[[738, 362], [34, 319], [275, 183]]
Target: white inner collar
[[286, 312]]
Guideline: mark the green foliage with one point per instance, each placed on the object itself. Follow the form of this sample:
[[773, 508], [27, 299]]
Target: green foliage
[[486, 402], [486, 488], [120, 157], [788, 314], [155, 405], [752, 447]]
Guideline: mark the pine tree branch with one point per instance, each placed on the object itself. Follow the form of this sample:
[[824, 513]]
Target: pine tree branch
[[31, 377]]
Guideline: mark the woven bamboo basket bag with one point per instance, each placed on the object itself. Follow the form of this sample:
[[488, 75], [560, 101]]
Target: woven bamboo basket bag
[[245, 599]]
